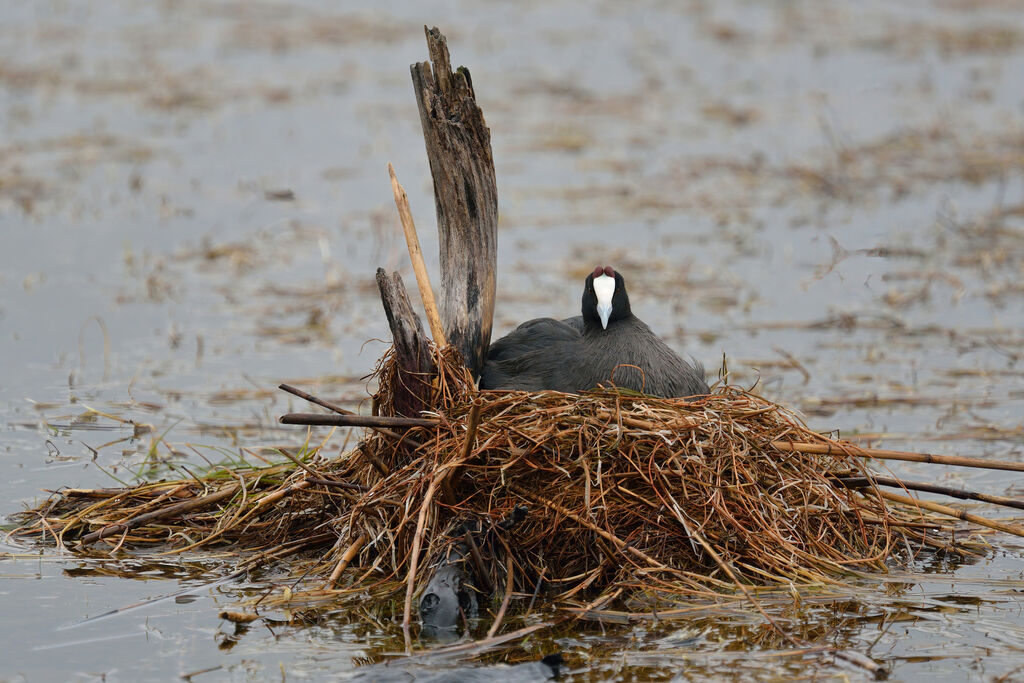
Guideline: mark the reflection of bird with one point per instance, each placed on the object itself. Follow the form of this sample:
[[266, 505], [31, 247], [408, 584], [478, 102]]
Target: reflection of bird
[[607, 344]]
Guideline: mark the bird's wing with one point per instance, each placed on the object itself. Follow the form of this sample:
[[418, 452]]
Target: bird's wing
[[533, 335], [575, 323]]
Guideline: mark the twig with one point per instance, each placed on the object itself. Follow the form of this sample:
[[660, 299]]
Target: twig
[[306, 468], [478, 561], [378, 465], [963, 494], [1014, 529], [192, 674], [416, 256], [793, 362], [536, 590], [596, 604], [342, 419], [258, 506], [467, 449], [882, 454], [507, 597], [332, 407], [857, 659], [88, 493], [474, 422], [439, 479], [346, 559], [319, 481], [354, 420]]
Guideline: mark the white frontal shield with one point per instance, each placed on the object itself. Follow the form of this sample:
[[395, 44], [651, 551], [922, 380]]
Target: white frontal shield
[[604, 287]]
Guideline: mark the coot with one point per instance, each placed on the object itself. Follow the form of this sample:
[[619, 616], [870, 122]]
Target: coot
[[606, 345]]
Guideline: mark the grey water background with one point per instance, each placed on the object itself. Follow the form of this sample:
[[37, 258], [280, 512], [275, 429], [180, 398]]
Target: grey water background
[[194, 198]]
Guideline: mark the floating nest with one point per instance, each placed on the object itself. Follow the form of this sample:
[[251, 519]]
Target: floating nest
[[584, 497]]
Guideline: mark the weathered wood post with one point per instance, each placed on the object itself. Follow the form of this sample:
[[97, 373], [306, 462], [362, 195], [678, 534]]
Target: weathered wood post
[[411, 389], [466, 196], [458, 145]]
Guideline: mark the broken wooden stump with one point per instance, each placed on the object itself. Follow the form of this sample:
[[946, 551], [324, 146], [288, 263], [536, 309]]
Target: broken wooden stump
[[458, 146], [411, 386]]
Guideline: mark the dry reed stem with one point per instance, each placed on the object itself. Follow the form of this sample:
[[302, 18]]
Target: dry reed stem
[[509, 586], [1014, 529], [414, 555], [926, 487], [346, 559], [412, 241], [835, 448]]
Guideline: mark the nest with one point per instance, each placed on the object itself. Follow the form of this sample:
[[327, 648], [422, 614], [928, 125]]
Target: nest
[[611, 489], [587, 495]]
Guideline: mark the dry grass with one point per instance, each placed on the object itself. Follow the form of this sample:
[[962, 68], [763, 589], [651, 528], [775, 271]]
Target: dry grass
[[622, 493]]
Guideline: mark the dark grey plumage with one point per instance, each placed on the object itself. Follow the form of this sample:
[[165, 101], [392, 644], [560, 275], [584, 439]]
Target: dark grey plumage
[[579, 353]]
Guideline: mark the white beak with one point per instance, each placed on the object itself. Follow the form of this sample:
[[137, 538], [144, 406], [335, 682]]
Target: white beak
[[604, 287]]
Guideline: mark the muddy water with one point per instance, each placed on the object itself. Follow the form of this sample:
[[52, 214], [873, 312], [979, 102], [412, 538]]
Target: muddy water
[[193, 200]]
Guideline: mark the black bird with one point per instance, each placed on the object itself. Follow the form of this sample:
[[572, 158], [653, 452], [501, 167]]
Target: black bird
[[606, 345]]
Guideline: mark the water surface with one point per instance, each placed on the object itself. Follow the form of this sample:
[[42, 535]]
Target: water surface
[[193, 201]]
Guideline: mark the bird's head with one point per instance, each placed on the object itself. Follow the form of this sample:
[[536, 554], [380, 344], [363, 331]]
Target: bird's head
[[604, 297]]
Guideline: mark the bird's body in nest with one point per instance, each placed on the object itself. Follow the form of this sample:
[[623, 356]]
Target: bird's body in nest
[[605, 345]]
